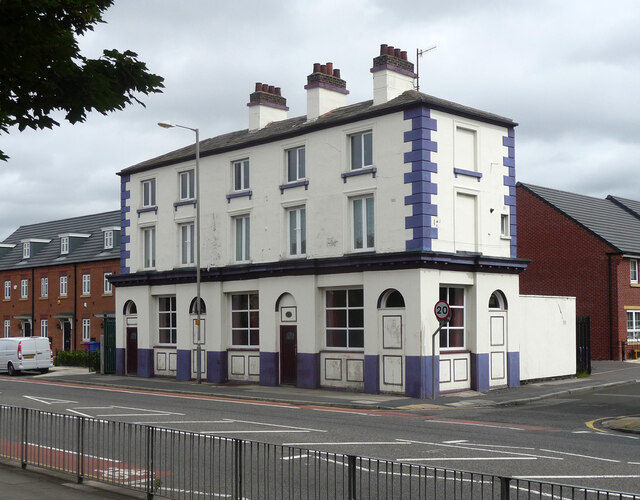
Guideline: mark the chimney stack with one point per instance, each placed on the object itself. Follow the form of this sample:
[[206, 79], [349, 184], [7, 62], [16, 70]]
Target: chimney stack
[[392, 74], [326, 91], [266, 105]]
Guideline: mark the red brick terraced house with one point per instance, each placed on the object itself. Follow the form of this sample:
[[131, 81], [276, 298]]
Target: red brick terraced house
[[588, 248], [54, 279]]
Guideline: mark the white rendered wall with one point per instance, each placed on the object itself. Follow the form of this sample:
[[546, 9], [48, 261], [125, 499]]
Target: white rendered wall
[[547, 336], [489, 189]]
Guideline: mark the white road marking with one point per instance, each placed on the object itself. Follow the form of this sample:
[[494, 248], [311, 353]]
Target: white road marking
[[275, 425], [181, 422], [275, 431], [49, 401], [510, 453], [456, 441], [582, 456], [633, 463], [79, 413], [139, 412], [475, 424], [344, 443], [496, 446], [603, 476], [462, 459], [619, 395]]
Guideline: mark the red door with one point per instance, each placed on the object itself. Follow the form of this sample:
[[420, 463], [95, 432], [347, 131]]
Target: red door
[[132, 351], [288, 354]]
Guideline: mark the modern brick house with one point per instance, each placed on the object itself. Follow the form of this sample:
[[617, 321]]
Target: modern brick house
[[588, 248], [326, 240], [54, 279]]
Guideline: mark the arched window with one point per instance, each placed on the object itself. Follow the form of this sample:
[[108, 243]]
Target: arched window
[[498, 301], [194, 310], [390, 298], [129, 308]]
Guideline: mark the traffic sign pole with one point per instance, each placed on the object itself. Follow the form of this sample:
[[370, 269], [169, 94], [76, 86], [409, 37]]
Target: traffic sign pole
[[443, 313]]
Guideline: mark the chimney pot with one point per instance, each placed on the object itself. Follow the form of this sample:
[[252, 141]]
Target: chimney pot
[[265, 87], [383, 49], [272, 89], [396, 52], [323, 69], [390, 50], [403, 55], [329, 68], [278, 91], [258, 86], [336, 73], [316, 67]]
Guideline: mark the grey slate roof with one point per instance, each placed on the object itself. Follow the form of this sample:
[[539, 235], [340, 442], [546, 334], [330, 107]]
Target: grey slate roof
[[602, 217], [90, 249], [297, 126], [631, 206]]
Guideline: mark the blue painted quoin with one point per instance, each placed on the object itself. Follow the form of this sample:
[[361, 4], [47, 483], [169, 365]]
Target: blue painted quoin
[[183, 368], [419, 376], [125, 195], [145, 362], [217, 366], [513, 369], [509, 161], [420, 178], [309, 370], [269, 368], [120, 358], [371, 373], [480, 371]]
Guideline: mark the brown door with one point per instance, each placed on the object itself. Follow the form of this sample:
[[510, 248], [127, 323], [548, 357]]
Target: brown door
[[288, 354], [132, 351]]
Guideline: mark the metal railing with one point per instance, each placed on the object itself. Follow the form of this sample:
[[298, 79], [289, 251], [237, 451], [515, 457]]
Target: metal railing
[[178, 464]]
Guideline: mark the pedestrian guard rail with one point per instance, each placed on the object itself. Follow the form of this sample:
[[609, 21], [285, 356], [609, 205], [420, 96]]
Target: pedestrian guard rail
[[176, 464]]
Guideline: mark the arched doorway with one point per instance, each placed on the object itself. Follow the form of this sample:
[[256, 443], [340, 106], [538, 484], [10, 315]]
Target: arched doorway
[[391, 321], [130, 313], [287, 317], [497, 339]]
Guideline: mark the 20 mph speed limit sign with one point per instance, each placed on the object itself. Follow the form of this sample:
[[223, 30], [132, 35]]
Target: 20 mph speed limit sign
[[442, 310]]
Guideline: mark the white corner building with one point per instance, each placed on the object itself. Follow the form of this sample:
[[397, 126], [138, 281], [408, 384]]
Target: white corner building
[[326, 241]]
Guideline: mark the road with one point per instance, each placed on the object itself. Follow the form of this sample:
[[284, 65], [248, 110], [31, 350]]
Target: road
[[556, 440]]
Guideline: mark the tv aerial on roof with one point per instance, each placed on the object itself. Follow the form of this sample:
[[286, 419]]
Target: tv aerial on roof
[[419, 53]]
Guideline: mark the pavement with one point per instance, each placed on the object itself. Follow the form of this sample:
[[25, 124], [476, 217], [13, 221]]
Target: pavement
[[34, 483]]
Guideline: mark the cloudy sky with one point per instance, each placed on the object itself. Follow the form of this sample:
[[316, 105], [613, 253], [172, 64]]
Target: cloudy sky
[[568, 72]]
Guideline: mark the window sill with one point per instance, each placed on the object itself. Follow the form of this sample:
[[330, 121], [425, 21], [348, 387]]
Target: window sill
[[445, 350], [359, 171], [468, 173], [240, 194], [107, 294], [165, 346], [183, 203], [153, 209], [342, 350], [635, 285], [294, 184], [505, 237], [243, 348]]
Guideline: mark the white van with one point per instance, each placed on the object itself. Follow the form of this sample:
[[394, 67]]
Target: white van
[[25, 353]]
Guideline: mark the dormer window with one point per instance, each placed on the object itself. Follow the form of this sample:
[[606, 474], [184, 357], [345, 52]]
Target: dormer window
[[64, 245], [26, 250], [108, 239]]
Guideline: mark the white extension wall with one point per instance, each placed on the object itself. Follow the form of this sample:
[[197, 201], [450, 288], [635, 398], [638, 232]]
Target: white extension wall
[[547, 336]]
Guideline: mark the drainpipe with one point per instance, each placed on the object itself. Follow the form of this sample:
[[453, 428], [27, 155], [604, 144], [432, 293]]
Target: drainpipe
[[33, 304], [611, 348], [75, 305]]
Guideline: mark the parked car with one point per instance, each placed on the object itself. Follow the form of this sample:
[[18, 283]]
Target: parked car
[[25, 353]]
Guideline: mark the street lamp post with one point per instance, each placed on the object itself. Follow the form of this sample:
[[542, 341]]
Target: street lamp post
[[197, 246]]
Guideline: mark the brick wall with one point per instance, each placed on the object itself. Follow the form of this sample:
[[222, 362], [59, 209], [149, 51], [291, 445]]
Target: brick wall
[[566, 259], [97, 301], [626, 296]]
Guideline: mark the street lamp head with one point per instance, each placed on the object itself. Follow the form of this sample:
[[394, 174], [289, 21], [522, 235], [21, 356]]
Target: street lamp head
[[166, 124]]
